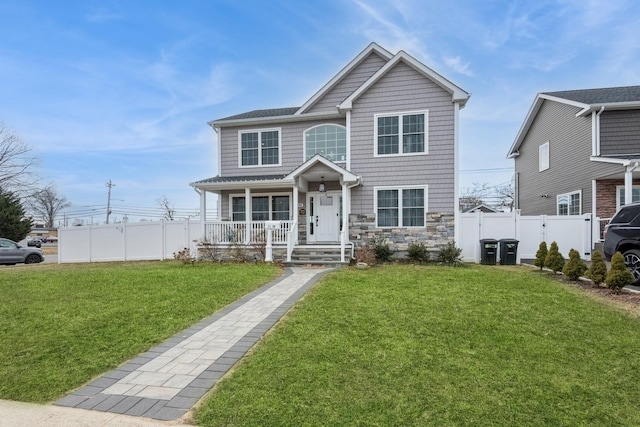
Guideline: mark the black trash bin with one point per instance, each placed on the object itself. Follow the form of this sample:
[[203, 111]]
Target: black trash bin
[[488, 251], [508, 251]]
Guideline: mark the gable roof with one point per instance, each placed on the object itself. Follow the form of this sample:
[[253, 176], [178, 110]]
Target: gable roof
[[373, 48], [457, 93], [588, 100], [298, 113]]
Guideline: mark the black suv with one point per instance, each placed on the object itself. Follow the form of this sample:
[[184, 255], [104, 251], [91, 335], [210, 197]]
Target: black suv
[[622, 234]]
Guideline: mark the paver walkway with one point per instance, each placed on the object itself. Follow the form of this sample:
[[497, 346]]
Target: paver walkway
[[166, 381]]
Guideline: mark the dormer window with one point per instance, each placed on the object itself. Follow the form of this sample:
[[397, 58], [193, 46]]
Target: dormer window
[[330, 141]]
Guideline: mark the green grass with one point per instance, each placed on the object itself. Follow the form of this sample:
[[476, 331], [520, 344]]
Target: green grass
[[411, 345], [62, 325]]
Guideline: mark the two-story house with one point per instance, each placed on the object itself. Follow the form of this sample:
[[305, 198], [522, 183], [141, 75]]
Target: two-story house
[[373, 153], [577, 152]]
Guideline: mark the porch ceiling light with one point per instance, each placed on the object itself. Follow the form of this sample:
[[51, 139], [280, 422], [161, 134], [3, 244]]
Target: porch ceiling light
[[321, 187]]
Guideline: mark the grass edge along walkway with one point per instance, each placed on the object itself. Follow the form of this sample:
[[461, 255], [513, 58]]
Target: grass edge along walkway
[[64, 325], [426, 345]]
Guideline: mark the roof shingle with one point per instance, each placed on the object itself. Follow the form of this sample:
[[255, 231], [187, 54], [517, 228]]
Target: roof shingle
[[601, 95]]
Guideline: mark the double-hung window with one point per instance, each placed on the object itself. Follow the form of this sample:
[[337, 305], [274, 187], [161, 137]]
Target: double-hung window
[[569, 203], [635, 195], [263, 208], [400, 206], [401, 134], [260, 148]]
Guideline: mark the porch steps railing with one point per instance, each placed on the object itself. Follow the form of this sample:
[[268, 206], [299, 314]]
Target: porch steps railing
[[318, 255]]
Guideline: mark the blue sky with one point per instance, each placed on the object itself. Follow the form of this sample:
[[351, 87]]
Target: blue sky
[[122, 90]]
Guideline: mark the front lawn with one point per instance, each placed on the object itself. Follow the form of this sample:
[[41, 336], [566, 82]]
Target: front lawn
[[426, 345], [62, 325]]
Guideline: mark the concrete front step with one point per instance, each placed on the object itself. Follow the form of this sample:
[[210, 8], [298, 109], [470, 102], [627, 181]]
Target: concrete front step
[[318, 255]]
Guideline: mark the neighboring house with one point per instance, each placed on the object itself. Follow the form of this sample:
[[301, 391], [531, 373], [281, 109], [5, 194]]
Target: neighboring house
[[577, 151], [479, 208], [373, 153]]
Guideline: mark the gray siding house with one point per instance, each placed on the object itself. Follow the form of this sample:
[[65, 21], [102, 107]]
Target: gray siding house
[[373, 153], [577, 152]]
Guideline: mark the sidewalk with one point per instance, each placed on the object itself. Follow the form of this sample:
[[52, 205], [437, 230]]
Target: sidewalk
[[165, 382]]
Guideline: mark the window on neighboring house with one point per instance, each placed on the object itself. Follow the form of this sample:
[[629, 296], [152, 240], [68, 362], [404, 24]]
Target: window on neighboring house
[[400, 134], [635, 195], [260, 148], [400, 207], [263, 208], [569, 203], [328, 140], [543, 157]]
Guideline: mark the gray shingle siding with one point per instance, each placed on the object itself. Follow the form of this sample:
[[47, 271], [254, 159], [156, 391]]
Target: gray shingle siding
[[620, 133], [348, 84], [569, 166], [292, 148], [403, 89]]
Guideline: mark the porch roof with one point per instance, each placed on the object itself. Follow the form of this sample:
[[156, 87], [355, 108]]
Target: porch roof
[[234, 182]]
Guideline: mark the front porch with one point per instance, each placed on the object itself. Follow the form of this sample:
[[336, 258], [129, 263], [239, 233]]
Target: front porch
[[276, 215], [270, 241]]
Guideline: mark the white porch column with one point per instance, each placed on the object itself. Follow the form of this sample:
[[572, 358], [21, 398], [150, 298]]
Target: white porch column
[[203, 214], [628, 183], [247, 218], [345, 222], [296, 197]]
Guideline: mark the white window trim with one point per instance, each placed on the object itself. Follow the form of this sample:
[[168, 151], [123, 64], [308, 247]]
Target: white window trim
[[543, 158], [400, 188], [621, 187], [400, 115], [579, 192], [259, 132], [304, 143], [270, 195]]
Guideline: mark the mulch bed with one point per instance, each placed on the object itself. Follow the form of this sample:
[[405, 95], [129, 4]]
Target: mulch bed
[[628, 299]]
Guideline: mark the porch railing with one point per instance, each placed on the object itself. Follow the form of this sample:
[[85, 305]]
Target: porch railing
[[242, 232]]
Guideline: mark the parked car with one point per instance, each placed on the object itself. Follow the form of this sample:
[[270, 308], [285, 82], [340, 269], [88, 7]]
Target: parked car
[[622, 234], [34, 241], [12, 253], [51, 239]]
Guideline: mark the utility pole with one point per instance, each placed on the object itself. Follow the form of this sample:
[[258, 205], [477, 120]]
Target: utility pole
[[109, 186]]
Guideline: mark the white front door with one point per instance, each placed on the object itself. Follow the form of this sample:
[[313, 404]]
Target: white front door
[[323, 216]]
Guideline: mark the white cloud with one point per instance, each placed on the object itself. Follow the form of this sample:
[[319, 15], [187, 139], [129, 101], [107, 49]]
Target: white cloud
[[456, 64]]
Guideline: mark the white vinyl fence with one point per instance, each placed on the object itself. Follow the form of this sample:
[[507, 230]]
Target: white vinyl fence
[[569, 232], [152, 240]]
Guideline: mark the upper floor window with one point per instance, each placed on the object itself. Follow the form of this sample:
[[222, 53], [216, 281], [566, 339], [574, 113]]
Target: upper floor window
[[635, 195], [260, 147], [328, 140], [400, 206], [401, 134], [543, 157], [569, 203]]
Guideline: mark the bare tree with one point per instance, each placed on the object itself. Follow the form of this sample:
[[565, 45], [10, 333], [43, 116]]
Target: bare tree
[[506, 195], [167, 207], [17, 162], [46, 204], [474, 196]]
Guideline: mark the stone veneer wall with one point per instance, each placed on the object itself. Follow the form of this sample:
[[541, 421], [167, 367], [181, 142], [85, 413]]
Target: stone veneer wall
[[439, 231]]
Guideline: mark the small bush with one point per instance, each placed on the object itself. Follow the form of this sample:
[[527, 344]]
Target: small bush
[[554, 259], [381, 249], [184, 256], [417, 252], [598, 270], [575, 267], [208, 250], [238, 252], [541, 255], [618, 276], [450, 255], [366, 254]]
